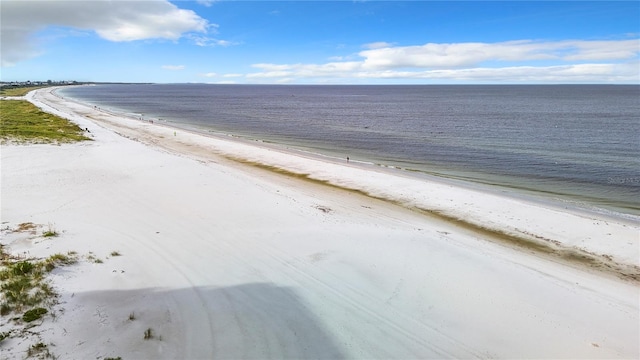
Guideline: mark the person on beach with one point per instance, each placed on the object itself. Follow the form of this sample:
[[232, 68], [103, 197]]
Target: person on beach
[[347, 159]]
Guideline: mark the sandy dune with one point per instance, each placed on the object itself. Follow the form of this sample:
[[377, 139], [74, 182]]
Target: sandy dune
[[228, 261]]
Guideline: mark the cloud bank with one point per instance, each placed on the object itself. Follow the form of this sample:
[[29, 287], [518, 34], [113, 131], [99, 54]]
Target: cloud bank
[[471, 54], [111, 20], [511, 61]]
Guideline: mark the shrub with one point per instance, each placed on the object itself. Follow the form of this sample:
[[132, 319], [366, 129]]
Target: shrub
[[21, 268], [4, 335], [34, 314], [39, 348], [50, 232], [59, 259]]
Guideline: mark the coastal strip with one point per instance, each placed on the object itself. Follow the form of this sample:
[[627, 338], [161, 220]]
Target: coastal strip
[[603, 243], [193, 246]]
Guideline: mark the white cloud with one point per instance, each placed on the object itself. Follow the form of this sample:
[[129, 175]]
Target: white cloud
[[513, 61], [332, 69], [458, 55], [582, 73], [203, 40], [173, 67], [16, 46], [206, 3], [111, 20], [377, 45], [601, 50], [271, 74], [226, 76]]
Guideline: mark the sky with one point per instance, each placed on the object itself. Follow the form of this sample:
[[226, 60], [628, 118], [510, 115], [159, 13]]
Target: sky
[[321, 42]]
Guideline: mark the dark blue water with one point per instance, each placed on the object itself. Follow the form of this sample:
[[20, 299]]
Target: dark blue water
[[571, 142]]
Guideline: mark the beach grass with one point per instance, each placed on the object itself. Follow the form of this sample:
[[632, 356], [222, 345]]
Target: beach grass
[[26, 292], [22, 122], [17, 91], [40, 350], [23, 284]]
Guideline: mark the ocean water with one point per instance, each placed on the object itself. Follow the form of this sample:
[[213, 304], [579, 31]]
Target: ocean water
[[572, 143]]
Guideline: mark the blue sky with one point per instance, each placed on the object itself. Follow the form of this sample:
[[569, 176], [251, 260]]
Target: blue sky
[[307, 42]]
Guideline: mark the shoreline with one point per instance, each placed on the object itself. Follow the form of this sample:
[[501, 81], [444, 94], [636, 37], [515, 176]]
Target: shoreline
[[229, 260], [527, 195], [542, 226], [590, 196]]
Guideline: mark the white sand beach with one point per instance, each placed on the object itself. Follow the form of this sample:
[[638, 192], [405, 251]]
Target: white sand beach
[[232, 249]]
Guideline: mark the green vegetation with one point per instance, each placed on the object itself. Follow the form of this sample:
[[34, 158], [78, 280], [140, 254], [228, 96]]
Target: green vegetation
[[94, 259], [26, 295], [50, 232], [4, 335], [23, 284], [23, 122], [41, 350], [17, 91], [56, 260], [34, 314]]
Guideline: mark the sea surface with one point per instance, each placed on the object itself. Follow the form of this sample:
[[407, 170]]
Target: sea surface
[[578, 144]]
